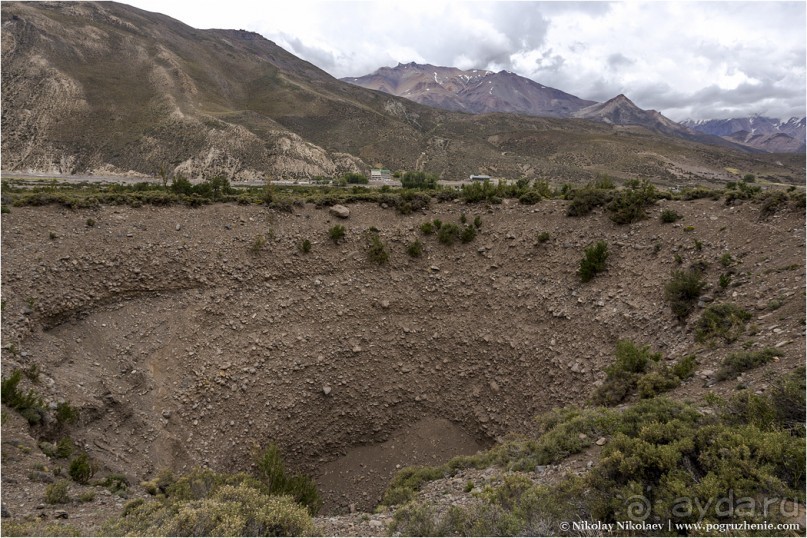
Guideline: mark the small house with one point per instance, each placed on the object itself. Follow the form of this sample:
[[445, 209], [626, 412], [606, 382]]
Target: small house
[[475, 177], [380, 174]]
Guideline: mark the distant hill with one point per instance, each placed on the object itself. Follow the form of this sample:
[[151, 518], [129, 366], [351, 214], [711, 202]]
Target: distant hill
[[475, 91], [768, 134]]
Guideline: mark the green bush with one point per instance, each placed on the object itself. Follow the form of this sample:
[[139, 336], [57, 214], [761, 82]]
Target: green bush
[[415, 249], [623, 374], [116, 483], [418, 180], [447, 234], [685, 368], [668, 216], [725, 321], [653, 383], [478, 222], [628, 206], [272, 473], [427, 228], [27, 404], [82, 468], [742, 361], [771, 202], [586, 200], [529, 198], [376, 251], [683, 291], [66, 414], [468, 234], [57, 493], [543, 237], [726, 260], [336, 233], [593, 261], [354, 178], [304, 246]]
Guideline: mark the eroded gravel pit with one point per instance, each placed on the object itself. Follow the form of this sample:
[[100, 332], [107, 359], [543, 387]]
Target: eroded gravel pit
[[181, 347]]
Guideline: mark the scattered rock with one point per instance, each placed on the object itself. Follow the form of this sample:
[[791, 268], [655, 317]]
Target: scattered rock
[[4, 511], [601, 441], [326, 390], [60, 514]]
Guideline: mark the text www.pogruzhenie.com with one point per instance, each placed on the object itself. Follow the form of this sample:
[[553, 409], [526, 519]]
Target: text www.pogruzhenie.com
[[634, 526]]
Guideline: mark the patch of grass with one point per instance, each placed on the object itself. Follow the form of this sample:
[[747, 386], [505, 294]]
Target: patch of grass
[[336, 233], [771, 202], [478, 222], [87, 496], [38, 528], [90, 222], [726, 260], [724, 280], [427, 228], [593, 261], [724, 321], [682, 292], [116, 483], [742, 361], [304, 246], [543, 237]]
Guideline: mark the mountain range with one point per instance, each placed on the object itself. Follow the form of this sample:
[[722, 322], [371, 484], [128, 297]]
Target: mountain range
[[107, 89], [478, 91], [475, 91], [769, 134]]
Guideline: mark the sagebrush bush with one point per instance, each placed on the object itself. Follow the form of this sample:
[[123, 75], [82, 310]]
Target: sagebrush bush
[[57, 493], [543, 237], [682, 292], [427, 228], [271, 471], [468, 234], [586, 200], [736, 363], [593, 261], [231, 510], [722, 321], [622, 375]]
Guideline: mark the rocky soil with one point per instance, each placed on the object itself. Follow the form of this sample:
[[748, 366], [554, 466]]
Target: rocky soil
[[183, 341]]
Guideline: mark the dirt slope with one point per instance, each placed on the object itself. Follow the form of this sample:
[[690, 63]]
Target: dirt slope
[[181, 347]]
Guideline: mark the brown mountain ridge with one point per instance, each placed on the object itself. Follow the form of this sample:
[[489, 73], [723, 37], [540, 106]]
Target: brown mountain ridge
[[107, 89]]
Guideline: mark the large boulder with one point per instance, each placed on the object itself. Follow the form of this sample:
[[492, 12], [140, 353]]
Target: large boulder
[[340, 211]]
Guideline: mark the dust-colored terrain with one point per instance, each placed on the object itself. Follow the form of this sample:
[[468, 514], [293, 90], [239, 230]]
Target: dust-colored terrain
[[182, 345]]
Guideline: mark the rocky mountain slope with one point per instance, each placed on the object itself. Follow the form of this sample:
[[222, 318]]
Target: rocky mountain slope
[[768, 134], [209, 102], [180, 343], [476, 91]]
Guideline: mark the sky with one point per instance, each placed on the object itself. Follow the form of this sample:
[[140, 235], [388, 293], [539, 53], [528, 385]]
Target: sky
[[688, 60]]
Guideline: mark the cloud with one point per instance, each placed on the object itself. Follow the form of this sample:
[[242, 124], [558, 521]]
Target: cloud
[[680, 58]]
